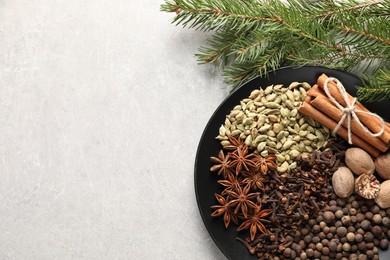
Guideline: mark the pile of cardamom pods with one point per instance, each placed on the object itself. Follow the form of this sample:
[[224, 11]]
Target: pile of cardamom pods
[[269, 122]]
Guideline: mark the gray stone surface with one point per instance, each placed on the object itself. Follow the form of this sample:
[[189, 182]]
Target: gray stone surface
[[102, 105]]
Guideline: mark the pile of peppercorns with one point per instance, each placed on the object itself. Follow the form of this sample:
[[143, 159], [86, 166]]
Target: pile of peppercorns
[[354, 228]]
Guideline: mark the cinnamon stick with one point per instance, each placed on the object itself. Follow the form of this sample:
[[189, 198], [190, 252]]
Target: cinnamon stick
[[317, 115], [370, 122], [320, 101]]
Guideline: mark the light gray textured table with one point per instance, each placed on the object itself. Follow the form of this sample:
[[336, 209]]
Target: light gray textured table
[[102, 108]]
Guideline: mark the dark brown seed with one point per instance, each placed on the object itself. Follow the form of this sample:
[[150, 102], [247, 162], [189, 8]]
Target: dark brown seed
[[316, 240], [377, 219], [308, 238], [370, 254], [369, 215], [325, 250], [333, 230], [352, 211], [339, 214], [341, 202], [339, 256], [362, 246], [375, 209], [338, 224], [329, 217], [377, 231], [316, 229], [365, 225], [358, 238], [287, 252], [341, 231], [384, 244], [351, 229], [309, 252], [346, 247], [312, 246], [317, 254], [322, 224], [370, 246], [368, 237], [332, 246], [319, 246], [364, 209], [359, 217], [346, 220], [353, 257], [362, 257], [386, 222], [355, 204], [312, 222], [351, 237], [326, 230]]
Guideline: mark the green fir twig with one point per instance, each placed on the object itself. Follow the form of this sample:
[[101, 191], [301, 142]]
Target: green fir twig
[[253, 37]]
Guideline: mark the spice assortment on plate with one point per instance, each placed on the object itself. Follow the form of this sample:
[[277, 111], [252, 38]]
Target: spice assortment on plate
[[304, 173]]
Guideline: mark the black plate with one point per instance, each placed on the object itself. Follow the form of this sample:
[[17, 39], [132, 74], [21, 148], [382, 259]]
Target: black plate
[[206, 182]]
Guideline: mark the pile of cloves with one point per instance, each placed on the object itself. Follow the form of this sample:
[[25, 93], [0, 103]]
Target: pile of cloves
[[295, 197]]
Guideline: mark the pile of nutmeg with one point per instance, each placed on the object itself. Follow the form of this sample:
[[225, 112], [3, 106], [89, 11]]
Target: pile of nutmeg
[[360, 163]]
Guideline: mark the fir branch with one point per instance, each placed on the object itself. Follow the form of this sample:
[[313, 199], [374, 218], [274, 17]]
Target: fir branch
[[350, 8], [253, 37], [378, 89], [363, 33]]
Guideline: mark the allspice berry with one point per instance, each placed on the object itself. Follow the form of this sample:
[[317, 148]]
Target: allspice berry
[[376, 230], [359, 161], [341, 231], [384, 244], [366, 225], [329, 217]]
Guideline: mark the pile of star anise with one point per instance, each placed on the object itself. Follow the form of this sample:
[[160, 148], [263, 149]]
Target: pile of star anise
[[244, 174]]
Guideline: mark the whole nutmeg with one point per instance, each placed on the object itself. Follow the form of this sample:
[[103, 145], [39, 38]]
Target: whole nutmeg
[[382, 166], [343, 182], [359, 161], [383, 198]]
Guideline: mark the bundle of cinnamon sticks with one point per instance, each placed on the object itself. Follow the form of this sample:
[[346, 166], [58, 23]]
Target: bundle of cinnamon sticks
[[318, 106]]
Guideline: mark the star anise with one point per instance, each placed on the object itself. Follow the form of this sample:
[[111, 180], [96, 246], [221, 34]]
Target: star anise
[[221, 164], [224, 209], [254, 179], [241, 199], [230, 183], [235, 143], [265, 164], [242, 160], [255, 221]]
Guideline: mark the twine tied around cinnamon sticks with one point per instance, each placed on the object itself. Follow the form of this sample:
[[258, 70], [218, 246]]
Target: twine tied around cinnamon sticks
[[373, 136], [349, 111]]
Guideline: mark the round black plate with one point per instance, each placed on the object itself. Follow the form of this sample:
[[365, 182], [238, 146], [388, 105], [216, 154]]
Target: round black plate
[[206, 182]]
